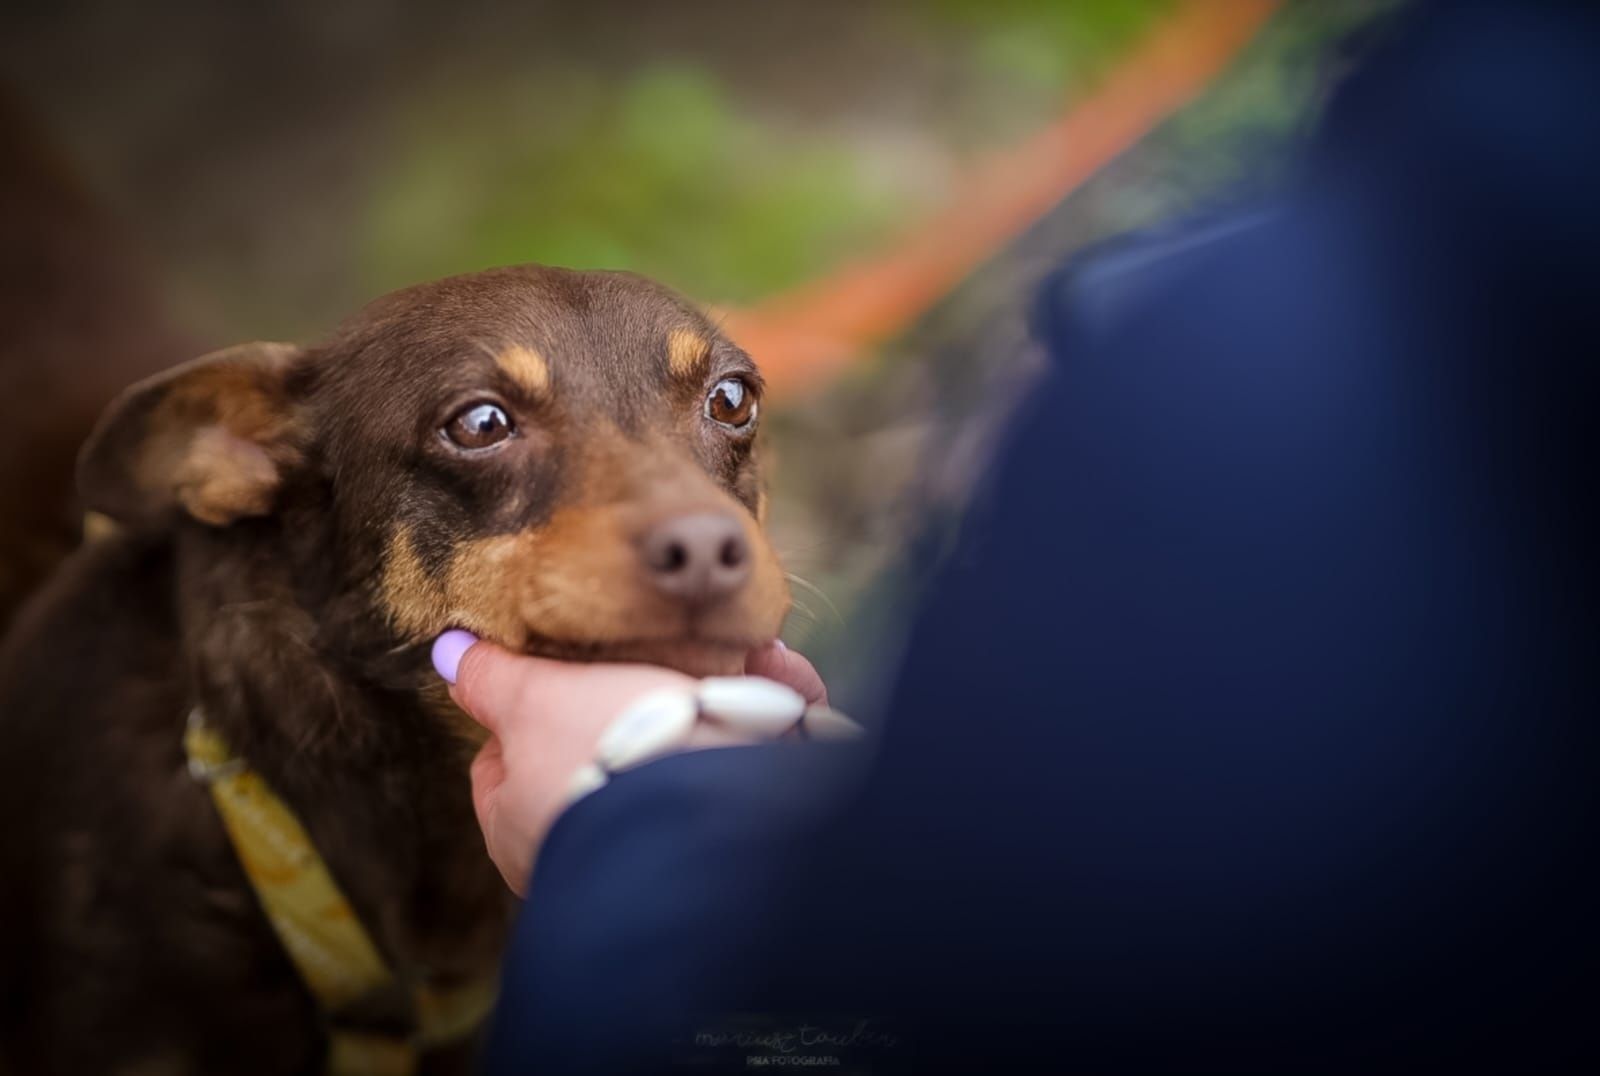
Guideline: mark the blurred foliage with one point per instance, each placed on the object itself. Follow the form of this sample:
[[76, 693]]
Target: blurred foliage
[[661, 173], [1242, 128], [1027, 53], [669, 172]]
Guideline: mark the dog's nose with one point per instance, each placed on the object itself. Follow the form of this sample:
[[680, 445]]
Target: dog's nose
[[697, 558]]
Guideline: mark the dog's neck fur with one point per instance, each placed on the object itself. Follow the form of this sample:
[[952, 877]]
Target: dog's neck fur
[[353, 746]]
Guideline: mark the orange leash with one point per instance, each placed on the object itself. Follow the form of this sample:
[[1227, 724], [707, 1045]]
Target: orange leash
[[805, 337]]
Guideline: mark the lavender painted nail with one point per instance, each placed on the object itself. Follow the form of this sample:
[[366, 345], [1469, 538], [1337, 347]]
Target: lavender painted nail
[[447, 651]]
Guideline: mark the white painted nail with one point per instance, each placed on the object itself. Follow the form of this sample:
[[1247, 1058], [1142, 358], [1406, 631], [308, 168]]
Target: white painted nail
[[649, 728], [751, 704], [585, 781], [826, 723]]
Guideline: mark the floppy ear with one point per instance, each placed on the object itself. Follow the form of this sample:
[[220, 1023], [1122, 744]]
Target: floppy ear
[[212, 437]]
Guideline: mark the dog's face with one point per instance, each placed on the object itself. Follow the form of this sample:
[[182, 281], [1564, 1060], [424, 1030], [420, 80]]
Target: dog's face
[[562, 462]]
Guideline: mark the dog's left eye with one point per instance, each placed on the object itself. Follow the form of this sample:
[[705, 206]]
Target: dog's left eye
[[732, 402], [479, 426]]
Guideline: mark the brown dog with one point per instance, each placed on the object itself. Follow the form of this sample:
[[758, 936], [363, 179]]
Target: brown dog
[[562, 462]]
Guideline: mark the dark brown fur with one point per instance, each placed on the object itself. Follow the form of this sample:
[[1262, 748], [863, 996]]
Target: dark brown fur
[[295, 532]]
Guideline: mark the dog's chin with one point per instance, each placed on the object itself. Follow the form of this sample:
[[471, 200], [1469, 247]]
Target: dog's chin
[[696, 657]]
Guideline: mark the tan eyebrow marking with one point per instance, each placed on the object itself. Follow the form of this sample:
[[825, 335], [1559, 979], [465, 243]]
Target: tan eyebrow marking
[[687, 352], [527, 368]]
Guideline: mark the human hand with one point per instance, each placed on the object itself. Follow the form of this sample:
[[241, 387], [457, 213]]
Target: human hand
[[545, 719]]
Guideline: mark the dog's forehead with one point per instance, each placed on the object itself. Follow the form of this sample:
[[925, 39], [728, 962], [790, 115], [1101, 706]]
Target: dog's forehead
[[536, 323]]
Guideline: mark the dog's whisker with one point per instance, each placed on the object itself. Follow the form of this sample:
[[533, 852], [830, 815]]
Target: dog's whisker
[[812, 588]]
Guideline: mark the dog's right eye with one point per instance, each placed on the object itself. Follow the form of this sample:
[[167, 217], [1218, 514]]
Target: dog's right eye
[[480, 425]]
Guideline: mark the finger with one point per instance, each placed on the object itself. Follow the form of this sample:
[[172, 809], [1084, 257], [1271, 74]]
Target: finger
[[488, 773], [716, 734], [492, 684], [488, 770], [777, 662]]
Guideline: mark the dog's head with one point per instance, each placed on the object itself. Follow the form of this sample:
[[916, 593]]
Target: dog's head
[[561, 462]]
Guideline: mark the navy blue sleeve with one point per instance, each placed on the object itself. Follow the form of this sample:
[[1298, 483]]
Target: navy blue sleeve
[[644, 900]]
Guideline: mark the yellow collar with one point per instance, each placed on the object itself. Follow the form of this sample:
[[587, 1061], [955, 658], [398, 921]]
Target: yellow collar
[[316, 924]]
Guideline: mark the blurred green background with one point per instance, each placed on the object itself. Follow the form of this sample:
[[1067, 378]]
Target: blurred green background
[[283, 163]]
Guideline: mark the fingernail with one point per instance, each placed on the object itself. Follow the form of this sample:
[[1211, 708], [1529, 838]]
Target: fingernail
[[447, 651], [779, 645]]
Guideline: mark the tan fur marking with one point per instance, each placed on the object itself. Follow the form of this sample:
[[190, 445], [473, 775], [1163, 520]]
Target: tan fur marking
[[687, 353], [414, 603], [218, 434], [482, 587], [222, 478], [99, 527], [527, 368], [419, 610]]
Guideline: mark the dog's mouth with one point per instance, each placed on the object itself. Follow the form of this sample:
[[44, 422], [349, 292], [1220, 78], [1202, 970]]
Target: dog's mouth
[[692, 654]]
